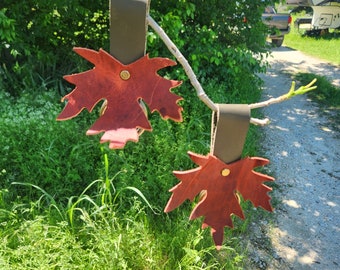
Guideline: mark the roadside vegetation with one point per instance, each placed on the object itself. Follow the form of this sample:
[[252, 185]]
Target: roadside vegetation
[[69, 203], [327, 94]]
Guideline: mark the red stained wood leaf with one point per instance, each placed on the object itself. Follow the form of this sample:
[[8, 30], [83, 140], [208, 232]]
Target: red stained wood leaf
[[221, 183], [122, 86]]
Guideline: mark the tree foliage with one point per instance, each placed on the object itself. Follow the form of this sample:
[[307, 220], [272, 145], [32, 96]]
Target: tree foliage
[[221, 39], [44, 33]]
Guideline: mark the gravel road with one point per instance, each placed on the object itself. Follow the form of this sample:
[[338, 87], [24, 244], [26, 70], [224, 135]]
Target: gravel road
[[303, 145]]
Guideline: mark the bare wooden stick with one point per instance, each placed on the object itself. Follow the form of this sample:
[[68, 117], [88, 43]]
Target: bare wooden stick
[[291, 93], [259, 122]]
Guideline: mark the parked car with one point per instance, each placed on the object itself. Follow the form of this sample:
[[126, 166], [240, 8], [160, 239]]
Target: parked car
[[279, 24]]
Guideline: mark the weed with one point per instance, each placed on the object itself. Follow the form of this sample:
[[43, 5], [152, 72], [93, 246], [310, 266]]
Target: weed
[[100, 235]]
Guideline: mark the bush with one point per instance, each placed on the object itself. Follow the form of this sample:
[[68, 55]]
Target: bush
[[221, 41], [43, 34]]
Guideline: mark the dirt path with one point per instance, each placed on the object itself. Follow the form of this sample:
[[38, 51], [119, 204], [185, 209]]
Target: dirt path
[[304, 149]]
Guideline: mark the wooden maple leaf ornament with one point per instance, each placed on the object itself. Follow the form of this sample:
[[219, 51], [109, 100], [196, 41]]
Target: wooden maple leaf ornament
[[122, 86], [222, 183], [222, 176], [124, 80]]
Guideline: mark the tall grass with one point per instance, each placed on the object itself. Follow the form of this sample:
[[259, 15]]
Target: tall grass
[[94, 232]]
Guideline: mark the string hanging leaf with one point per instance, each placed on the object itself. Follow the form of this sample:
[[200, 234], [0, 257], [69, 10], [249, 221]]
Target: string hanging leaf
[[122, 86], [221, 184]]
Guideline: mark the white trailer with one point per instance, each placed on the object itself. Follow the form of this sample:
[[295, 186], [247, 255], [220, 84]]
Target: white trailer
[[326, 17], [326, 14]]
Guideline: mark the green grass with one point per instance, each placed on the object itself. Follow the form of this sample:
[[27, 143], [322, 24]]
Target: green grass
[[67, 202], [325, 47]]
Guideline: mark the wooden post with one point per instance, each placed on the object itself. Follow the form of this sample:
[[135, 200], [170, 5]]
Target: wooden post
[[128, 29]]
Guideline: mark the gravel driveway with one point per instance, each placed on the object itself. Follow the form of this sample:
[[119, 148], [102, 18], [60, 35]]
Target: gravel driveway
[[303, 146]]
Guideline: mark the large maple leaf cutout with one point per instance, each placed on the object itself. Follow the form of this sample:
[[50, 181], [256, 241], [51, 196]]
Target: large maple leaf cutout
[[122, 86], [221, 183]]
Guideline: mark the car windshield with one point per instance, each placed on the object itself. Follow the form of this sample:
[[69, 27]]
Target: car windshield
[[269, 10]]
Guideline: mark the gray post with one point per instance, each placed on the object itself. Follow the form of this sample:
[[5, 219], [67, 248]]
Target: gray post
[[128, 29]]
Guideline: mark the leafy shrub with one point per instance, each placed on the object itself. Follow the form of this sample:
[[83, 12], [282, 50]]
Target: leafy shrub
[[41, 151], [7, 29], [221, 41], [43, 34]]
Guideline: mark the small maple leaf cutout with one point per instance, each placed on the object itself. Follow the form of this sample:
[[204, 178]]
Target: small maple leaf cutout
[[122, 86], [221, 183]]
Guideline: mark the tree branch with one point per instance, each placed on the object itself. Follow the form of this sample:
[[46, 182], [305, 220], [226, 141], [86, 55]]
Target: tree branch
[[200, 92], [181, 59], [291, 93]]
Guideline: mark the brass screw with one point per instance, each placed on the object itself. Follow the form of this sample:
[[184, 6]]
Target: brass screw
[[125, 75], [225, 172]]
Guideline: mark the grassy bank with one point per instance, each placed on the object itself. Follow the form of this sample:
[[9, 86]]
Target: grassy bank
[[325, 47]]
